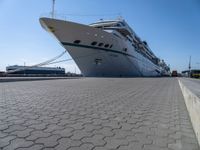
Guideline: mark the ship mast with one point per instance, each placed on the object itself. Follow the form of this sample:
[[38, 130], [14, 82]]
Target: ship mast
[[53, 5]]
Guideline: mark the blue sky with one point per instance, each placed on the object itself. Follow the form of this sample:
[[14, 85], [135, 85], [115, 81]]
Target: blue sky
[[171, 28]]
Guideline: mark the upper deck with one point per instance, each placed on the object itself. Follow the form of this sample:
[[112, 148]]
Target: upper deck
[[120, 26]]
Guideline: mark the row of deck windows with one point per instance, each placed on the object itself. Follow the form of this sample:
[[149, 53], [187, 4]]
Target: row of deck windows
[[95, 43], [101, 44]]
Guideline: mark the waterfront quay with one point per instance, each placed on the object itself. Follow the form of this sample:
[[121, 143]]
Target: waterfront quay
[[95, 114]]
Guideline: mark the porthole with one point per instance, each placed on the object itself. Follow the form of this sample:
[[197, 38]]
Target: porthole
[[77, 41], [93, 43], [100, 44], [107, 45]]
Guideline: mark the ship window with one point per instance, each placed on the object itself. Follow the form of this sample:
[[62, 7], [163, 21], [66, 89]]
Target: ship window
[[107, 45], [77, 41], [125, 49], [118, 25], [111, 46], [100, 44], [134, 46], [122, 24], [94, 43]]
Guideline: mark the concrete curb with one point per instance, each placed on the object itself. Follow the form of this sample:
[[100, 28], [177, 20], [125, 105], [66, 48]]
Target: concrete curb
[[193, 106]]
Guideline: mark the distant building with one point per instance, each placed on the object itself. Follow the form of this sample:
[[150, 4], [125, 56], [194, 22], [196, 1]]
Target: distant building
[[194, 73], [69, 74], [35, 70], [2, 73]]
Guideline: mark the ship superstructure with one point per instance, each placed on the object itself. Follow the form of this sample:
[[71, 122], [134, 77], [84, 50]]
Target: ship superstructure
[[106, 48]]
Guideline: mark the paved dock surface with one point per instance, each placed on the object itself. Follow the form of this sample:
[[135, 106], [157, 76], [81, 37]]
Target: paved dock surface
[[95, 114]]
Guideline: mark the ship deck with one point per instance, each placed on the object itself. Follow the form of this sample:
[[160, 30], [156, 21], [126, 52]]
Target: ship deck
[[95, 114]]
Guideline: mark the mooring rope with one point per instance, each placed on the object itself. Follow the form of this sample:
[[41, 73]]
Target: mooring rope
[[37, 65]]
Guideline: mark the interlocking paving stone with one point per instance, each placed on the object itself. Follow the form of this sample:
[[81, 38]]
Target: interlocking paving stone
[[18, 143], [65, 143], [96, 140], [33, 147], [50, 141], [131, 146], [37, 134], [80, 134], [83, 147], [96, 114], [67, 132], [5, 141], [22, 134], [112, 143]]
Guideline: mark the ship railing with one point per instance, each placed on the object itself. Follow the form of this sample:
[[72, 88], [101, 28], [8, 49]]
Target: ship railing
[[56, 16], [71, 16], [64, 17]]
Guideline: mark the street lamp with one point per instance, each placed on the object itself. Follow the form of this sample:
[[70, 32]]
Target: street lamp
[[189, 67]]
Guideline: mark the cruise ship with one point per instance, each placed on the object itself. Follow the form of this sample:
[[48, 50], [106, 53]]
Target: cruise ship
[[107, 48]]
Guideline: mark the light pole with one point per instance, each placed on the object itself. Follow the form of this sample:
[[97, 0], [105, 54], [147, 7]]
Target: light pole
[[189, 67]]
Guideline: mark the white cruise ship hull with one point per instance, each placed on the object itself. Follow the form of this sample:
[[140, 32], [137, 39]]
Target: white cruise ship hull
[[94, 60]]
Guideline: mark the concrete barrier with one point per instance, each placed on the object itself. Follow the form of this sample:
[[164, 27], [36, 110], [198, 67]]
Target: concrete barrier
[[192, 102]]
